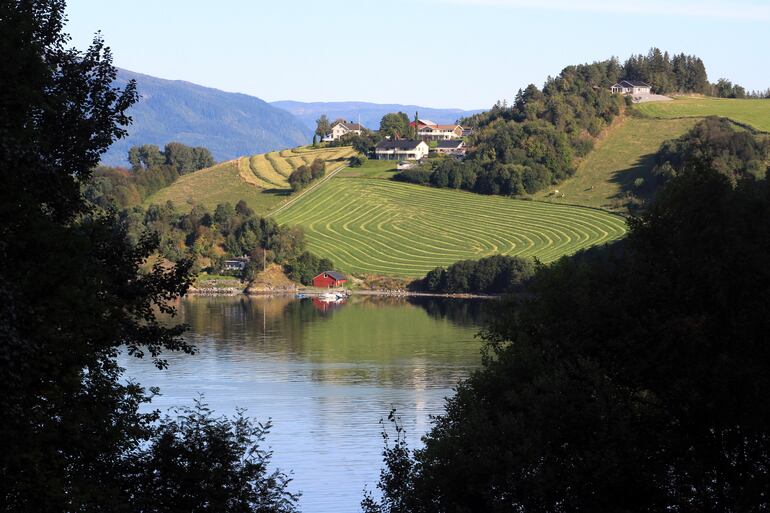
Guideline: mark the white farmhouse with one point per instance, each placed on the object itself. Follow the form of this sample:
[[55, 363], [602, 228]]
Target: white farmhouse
[[341, 128], [440, 132], [401, 150], [631, 87]]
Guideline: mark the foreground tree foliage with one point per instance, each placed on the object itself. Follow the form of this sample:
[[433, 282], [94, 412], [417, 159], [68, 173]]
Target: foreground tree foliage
[[218, 461], [72, 294], [634, 379]]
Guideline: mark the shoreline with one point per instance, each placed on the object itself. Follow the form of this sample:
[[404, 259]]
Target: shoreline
[[233, 291]]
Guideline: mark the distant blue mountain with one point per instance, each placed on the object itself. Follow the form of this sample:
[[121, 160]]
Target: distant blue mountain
[[370, 113], [228, 124]]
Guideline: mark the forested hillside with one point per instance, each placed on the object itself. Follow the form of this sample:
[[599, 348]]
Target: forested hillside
[[538, 141], [228, 124]]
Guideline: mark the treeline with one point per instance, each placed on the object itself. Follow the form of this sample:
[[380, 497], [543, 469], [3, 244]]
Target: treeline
[[209, 238], [668, 74], [304, 174], [497, 274], [681, 74], [716, 144], [724, 88], [151, 170]]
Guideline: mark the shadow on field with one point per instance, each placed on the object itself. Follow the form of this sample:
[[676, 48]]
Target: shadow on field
[[636, 183], [278, 192]]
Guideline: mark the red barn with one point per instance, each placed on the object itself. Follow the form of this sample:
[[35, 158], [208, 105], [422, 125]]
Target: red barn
[[329, 279]]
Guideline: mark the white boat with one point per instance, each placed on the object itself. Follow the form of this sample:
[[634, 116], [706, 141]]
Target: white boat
[[328, 296]]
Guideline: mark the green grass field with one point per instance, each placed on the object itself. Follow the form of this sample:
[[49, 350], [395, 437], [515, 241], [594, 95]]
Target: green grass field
[[751, 112], [371, 225], [260, 180], [371, 169], [624, 154]]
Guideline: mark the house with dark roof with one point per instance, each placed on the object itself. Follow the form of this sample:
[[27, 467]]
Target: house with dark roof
[[329, 279], [340, 128], [401, 150], [454, 147], [631, 87]]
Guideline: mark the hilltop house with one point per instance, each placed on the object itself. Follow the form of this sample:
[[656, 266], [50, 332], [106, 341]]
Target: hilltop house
[[454, 147], [440, 132], [401, 150], [329, 279], [631, 87], [340, 128]]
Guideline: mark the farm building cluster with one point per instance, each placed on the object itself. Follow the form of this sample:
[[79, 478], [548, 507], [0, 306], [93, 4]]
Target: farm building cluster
[[431, 138]]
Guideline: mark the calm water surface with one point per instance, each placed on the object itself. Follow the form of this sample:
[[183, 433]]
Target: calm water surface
[[324, 375]]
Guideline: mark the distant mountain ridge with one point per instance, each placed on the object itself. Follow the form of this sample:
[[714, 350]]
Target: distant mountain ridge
[[370, 113], [228, 124]]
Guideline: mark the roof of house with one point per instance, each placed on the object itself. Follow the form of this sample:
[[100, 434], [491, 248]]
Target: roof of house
[[450, 144], [632, 83], [442, 128], [427, 122], [334, 274], [349, 126], [398, 145]]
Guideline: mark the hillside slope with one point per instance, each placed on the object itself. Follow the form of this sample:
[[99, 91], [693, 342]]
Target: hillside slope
[[260, 180], [375, 225], [622, 155], [370, 113], [228, 124]]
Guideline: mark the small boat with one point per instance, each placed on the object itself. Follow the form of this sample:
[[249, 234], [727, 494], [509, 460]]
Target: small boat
[[328, 296], [300, 295]]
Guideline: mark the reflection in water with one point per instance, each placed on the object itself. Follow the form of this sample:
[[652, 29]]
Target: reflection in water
[[324, 376]]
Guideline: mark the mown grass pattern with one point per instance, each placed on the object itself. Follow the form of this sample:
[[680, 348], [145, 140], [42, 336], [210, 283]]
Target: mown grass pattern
[[390, 228], [260, 180]]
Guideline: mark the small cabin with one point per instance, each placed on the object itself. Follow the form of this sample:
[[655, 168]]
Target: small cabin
[[235, 264], [329, 279]]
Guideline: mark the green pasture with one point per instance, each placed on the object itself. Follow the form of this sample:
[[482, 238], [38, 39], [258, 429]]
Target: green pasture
[[384, 227], [625, 152], [371, 169], [755, 113]]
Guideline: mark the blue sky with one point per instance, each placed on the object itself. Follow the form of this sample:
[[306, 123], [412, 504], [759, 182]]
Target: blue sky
[[436, 53]]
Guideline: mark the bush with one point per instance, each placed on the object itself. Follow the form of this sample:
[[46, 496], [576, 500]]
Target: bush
[[496, 274], [418, 176], [358, 160]]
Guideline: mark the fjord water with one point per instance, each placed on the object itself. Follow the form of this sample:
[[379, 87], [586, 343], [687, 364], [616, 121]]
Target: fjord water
[[325, 374]]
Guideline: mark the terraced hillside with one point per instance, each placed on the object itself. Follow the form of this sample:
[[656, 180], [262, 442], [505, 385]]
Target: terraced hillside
[[378, 226], [260, 180], [755, 113]]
